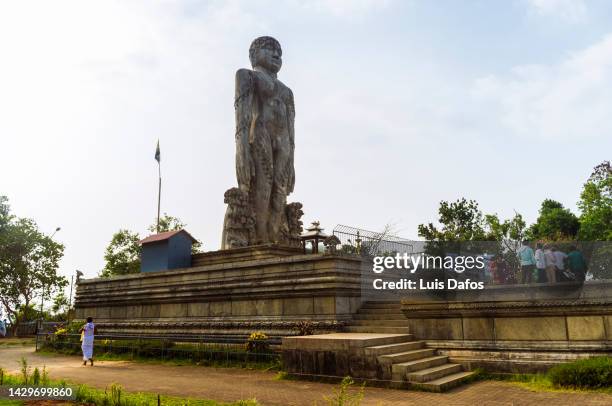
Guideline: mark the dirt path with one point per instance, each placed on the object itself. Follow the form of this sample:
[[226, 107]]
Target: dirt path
[[230, 384]]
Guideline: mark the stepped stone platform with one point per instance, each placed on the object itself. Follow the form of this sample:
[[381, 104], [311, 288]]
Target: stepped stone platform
[[395, 360], [505, 329], [267, 288]]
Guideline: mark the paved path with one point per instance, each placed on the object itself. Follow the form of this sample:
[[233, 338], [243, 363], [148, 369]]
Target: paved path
[[230, 384]]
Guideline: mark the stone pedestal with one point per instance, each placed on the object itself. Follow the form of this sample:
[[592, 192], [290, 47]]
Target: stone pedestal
[[230, 292]]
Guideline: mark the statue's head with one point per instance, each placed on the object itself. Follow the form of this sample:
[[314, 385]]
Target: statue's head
[[266, 52]]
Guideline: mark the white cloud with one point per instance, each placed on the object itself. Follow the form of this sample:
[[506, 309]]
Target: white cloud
[[345, 8], [570, 99], [572, 11]]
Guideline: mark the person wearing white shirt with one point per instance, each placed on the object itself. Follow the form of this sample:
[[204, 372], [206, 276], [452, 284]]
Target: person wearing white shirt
[[551, 268], [540, 259], [560, 257]]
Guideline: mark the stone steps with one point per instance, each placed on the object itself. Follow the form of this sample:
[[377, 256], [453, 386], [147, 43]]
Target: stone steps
[[402, 369], [378, 329], [447, 382], [406, 356], [379, 322], [406, 363], [430, 374], [394, 348]]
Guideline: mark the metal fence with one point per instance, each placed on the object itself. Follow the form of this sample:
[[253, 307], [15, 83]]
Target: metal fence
[[214, 350], [371, 243]]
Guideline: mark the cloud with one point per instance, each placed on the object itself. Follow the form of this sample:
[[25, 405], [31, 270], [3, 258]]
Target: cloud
[[572, 11], [570, 99], [345, 8]]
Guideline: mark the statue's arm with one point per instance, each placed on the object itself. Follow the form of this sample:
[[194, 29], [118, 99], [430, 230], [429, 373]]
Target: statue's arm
[[291, 127], [243, 104]]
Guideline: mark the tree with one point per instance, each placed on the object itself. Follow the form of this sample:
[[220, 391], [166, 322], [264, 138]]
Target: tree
[[60, 307], [464, 228], [596, 205], [167, 223], [554, 223], [461, 221], [122, 255], [29, 261]]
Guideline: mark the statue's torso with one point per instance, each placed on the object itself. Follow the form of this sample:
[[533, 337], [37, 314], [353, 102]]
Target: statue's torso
[[274, 100]]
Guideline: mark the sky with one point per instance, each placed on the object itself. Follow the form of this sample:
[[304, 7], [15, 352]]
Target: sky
[[399, 105]]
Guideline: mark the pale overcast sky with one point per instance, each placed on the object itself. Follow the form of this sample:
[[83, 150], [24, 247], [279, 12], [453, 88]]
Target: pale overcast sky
[[400, 104]]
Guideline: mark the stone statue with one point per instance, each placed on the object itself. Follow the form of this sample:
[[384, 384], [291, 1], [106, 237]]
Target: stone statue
[[265, 146]]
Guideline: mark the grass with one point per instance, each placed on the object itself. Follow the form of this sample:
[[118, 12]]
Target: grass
[[10, 342], [115, 395], [540, 383], [273, 365]]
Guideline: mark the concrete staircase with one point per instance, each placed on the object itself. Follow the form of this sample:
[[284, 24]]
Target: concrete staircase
[[407, 363]]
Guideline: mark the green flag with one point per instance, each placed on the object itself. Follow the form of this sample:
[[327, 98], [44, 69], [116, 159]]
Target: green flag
[[157, 154]]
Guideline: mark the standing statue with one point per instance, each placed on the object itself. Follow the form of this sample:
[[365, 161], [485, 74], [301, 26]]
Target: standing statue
[[265, 144]]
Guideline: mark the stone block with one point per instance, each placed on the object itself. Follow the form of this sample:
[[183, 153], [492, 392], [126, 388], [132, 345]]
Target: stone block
[[324, 305], [118, 312], [586, 328], [198, 309], [150, 311], [133, 312], [173, 310], [218, 309], [101, 313], [298, 306], [608, 326], [436, 329], [269, 307], [243, 308], [530, 328], [478, 329]]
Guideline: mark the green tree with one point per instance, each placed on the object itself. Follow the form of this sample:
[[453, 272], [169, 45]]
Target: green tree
[[596, 205], [29, 261], [122, 255], [60, 306], [461, 221], [554, 223], [167, 223], [464, 228]]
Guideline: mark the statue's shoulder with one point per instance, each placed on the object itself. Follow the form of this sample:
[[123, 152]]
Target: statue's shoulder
[[244, 74]]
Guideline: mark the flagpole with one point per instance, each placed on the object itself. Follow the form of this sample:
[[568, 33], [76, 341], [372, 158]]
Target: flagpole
[[158, 193], [158, 159]]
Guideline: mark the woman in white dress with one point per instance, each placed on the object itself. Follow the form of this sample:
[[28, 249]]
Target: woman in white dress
[[88, 341]]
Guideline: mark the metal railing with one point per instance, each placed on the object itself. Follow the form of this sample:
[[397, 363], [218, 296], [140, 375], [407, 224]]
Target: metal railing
[[224, 351], [370, 243]]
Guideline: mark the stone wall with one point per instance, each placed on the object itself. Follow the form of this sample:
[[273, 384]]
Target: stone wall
[[517, 328], [257, 292]]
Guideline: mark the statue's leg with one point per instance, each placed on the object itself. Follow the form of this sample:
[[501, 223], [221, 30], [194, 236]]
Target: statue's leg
[[279, 191], [263, 186]]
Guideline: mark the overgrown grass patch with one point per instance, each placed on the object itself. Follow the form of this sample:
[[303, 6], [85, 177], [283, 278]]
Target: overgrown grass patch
[[591, 374], [170, 353], [113, 395]]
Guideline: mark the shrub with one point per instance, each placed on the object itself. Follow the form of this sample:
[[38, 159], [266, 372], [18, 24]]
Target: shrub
[[257, 342], [304, 328], [342, 395], [36, 377], [591, 373]]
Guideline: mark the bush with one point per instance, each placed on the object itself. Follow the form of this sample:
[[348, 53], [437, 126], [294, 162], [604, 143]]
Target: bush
[[591, 373], [257, 342], [304, 328]]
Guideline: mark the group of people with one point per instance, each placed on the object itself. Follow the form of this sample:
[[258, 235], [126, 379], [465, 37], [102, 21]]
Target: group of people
[[549, 264], [546, 264]]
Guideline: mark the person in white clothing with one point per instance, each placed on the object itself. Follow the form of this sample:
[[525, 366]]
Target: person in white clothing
[[540, 259], [551, 268], [88, 341], [560, 257]]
